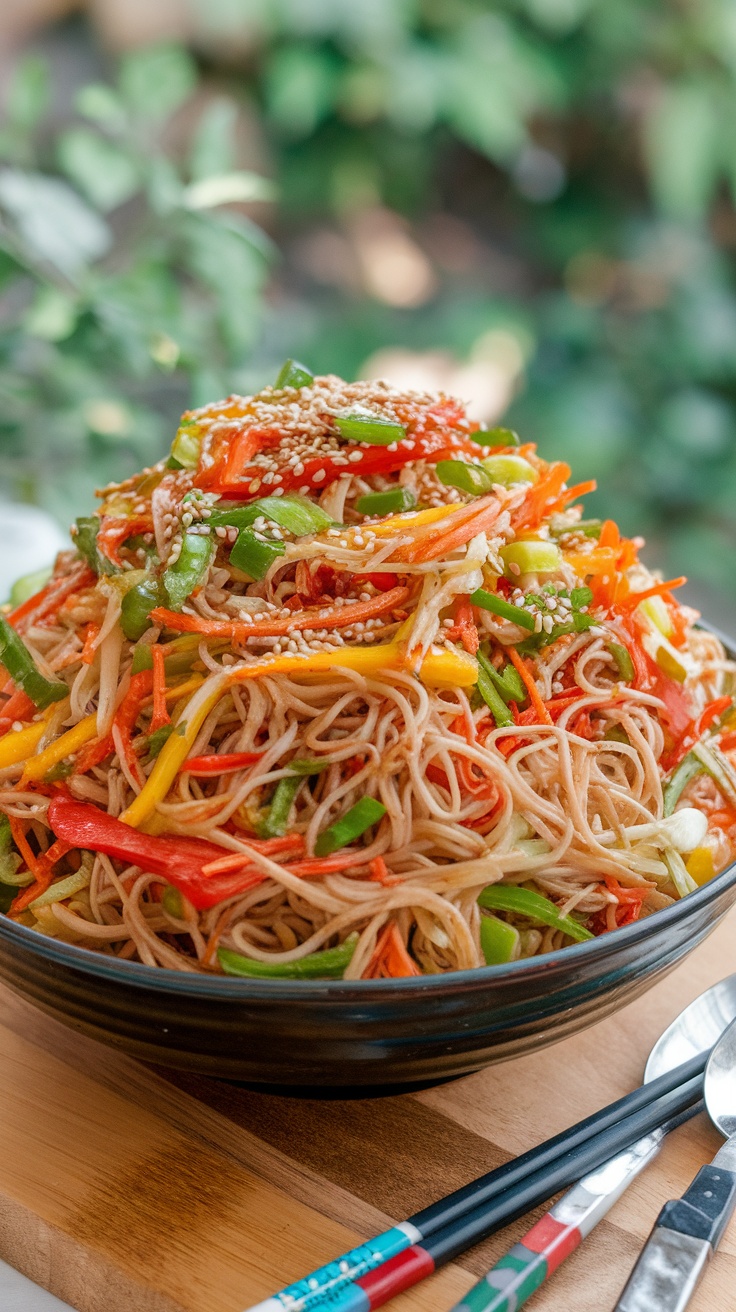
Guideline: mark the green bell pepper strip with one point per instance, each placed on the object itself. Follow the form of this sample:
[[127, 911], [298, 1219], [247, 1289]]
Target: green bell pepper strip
[[392, 502], [525, 902], [688, 768], [494, 701], [10, 880], [369, 428], [615, 734], [507, 682], [186, 574], [306, 766], [173, 902], [296, 514], [135, 614], [624, 663], [330, 964], [276, 821], [26, 587], [24, 672], [293, 374], [499, 606], [463, 475], [84, 536], [590, 528], [160, 736], [500, 943], [253, 556], [350, 826], [716, 765], [509, 469], [530, 558], [496, 437]]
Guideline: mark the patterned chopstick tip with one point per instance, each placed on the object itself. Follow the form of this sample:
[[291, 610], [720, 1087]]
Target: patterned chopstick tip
[[324, 1286], [524, 1268]]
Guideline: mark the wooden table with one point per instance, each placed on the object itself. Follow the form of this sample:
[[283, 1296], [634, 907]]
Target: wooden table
[[124, 1189]]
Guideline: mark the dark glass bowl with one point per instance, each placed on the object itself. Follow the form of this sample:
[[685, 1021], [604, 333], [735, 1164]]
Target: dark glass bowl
[[370, 1035]]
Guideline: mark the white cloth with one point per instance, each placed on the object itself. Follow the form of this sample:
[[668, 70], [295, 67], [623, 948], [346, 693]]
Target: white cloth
[[20, 1295], [29, 541]]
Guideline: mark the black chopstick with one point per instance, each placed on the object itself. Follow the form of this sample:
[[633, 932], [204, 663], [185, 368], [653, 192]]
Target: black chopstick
[[498, 1197], [485, 1188]]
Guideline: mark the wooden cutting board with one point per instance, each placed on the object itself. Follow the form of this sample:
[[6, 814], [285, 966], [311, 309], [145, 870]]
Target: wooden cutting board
[[124, 1189]]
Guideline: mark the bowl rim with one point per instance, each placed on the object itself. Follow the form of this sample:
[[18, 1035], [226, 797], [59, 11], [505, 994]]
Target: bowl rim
[[162, 979]]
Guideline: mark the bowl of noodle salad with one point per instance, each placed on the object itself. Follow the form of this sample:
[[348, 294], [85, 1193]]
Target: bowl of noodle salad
[[341, 747]]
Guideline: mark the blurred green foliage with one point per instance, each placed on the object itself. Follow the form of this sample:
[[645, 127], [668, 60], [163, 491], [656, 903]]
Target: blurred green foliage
[[566, 167]]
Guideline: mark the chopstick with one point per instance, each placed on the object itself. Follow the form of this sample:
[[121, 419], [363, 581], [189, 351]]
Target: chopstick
[[413, 1264], [557, 1234], [438, 1232]]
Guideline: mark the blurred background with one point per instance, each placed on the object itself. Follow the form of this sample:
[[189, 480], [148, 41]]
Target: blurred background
[[529, 202]]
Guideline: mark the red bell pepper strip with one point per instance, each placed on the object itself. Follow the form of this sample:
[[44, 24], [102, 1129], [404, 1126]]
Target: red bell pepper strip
[[319, 472], [206, 767], [463, 629], [697, 728], [177, 859], [18, 707], [115, 530]]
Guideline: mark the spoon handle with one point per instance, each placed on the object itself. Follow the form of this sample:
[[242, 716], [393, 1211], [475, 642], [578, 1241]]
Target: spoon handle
[[685, 1237]]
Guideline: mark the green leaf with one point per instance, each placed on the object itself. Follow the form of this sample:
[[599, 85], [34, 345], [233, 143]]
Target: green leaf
[[300, 86], [681, 141], [52, 221], [99, 103], [225, 188], [28, 92], [213, 144], [156, 80], [102, 170], [52, 316]]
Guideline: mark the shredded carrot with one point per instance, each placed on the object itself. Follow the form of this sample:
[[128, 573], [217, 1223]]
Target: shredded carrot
[[312, 618], [213, 765], [115, 530], [89, 650], [534, 508], [160, 715], [657, 590], [214, 938], [432, 542], [46, 603], [381, 874], [33, 863], [463, 629], [543, 715], [390, 958], [728, 741], [609, 534]]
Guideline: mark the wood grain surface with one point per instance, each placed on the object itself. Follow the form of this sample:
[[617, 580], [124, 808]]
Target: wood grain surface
[[127, 1189]]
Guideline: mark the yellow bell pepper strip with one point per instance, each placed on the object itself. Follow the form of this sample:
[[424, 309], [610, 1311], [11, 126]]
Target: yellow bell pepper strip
[[175, 750], [69, 743], [700, 865], [410, 520], [19, 744]]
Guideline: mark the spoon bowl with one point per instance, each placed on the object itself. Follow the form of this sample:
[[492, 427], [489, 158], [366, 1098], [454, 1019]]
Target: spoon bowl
[[720, 1084], [695, 1030]]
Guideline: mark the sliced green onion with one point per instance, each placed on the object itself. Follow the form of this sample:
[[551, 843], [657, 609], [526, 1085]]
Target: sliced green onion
[[369, 428], [293, 374], [307, 765], [173, 902], [688, 768], [715, 763], [350, 826], [533, 557], [10, 879], [590, 528], [392, 502], [276, 821], [160, 736], [624, 663], [494, 701], [253, 556], [679, 874], [186, 446], [24, 672], [581, 597], [499, 606], [615, 734], [189, 570], [500, 943], [496, 437], [461, 474], [135, 611], [508, 682], [296, 514], [525, 902], [508, 470], [27, 587], [63, 888], [330, 964]]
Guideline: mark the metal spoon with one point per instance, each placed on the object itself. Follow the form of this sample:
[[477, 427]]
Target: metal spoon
[[689, 1229]]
